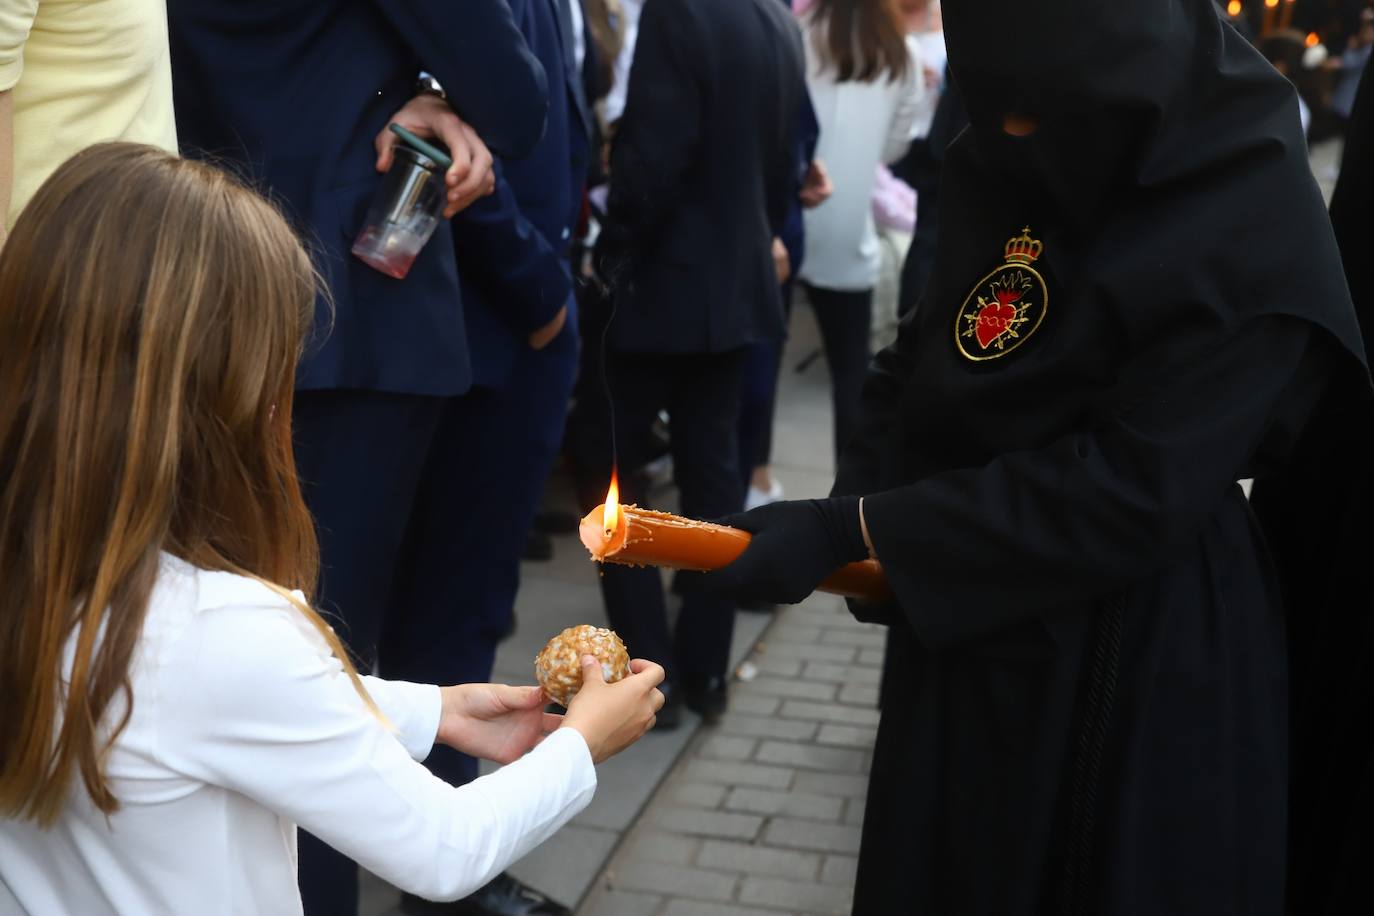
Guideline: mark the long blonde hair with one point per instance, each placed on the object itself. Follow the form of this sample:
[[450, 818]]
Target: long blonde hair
[[152, 311]]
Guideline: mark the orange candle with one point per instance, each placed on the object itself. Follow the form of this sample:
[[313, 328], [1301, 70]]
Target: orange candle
[[631, 536]]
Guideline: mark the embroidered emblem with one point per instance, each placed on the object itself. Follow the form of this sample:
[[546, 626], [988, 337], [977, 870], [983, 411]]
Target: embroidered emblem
[[1007, 306]]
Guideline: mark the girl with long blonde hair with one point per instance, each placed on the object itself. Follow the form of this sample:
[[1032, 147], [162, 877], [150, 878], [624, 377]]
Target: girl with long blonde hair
[[170, 705]]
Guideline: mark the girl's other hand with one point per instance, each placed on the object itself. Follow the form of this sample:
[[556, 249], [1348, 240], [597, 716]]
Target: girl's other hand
[[494, 721]]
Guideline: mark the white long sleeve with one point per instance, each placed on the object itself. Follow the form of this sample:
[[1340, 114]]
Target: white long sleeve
[[277, 720], [910, 100], [243, 725], [412, 709]]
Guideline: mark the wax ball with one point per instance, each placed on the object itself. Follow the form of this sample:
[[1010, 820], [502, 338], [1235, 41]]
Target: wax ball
[[558, 668]]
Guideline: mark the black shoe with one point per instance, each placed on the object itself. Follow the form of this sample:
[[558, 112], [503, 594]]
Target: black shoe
[[504, 896], [670, 716], [707, 697], [538, 547]]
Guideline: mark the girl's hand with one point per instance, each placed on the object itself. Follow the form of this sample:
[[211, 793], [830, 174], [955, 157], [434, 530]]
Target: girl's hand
[[611, 717], [494, 721]]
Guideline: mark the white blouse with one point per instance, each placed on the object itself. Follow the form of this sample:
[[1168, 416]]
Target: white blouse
[[244, 725], [862, 124]]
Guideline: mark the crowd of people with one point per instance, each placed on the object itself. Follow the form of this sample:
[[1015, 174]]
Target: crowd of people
[[260, 495]]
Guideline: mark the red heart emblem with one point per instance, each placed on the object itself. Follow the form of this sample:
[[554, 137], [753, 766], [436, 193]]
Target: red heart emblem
[[994, 320]]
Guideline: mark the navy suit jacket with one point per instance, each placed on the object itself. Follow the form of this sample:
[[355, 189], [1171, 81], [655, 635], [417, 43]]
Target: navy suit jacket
[[512, 246], [293, 93], [703, 167]]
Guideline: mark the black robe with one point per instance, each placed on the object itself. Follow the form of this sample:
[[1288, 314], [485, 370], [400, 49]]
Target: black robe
[[1317, 517], [1133, 308]]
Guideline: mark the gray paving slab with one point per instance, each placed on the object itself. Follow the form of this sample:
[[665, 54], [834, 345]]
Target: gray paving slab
[[561, 869]]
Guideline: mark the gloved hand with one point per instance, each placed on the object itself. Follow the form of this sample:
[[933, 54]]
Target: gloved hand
[[797, 543]]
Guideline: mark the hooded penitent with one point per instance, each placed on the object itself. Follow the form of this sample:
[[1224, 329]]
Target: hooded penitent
[[1317, 517], [1133, 307]]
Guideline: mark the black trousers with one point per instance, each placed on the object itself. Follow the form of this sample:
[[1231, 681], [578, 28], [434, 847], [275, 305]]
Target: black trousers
[[701, 394], [846, 321], [423, 505], [759, 397]]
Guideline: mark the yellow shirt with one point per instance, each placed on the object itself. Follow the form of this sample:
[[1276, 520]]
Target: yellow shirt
[[81, 72]]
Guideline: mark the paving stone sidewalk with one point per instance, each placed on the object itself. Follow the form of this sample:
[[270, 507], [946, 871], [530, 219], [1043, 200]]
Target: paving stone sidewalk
[[762, 813]]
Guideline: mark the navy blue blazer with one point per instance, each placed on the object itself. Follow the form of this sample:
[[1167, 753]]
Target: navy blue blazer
[[512, 246], [293, 94], [703, 167]]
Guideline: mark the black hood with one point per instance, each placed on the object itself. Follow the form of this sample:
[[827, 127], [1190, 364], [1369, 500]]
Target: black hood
[[1127, 92], [1169, 155]]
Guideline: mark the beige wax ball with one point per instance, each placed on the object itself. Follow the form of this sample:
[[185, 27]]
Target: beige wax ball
[[558, 667]]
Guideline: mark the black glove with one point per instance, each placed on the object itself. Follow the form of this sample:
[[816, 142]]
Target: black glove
[[796, 545]]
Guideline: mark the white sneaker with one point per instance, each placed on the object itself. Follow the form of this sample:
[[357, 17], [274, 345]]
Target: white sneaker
[[756, 497]]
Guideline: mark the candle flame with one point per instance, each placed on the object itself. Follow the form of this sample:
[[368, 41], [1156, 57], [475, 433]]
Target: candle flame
[[1271, 3], [610, 517], [1233, 8], [1313, 39]]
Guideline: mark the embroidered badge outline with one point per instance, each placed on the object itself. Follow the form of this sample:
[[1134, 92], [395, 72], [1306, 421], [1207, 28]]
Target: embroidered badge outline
[[1005, 307]]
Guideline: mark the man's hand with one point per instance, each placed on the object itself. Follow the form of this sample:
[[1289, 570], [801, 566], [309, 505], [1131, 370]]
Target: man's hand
[[545, 335], [494, 721], [430, 117], [782, 262], [816, 189]]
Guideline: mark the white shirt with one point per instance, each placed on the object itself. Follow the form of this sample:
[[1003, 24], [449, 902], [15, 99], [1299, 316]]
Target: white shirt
[[579, 30], [244, 726], [861, 124], [620, 83]]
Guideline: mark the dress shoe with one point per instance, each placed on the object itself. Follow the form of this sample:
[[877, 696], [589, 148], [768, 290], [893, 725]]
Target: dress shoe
[[707, 697], [503, 896]]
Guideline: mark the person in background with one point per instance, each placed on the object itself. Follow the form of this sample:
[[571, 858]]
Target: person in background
[[73, 73], [627, 24], [702, 168], [763, 360], [491, 453], [866, 82], [386, 356], [1289, 53], [1091, 691], [1353, 63], [921, 168], [1316, 520], [173, 705]]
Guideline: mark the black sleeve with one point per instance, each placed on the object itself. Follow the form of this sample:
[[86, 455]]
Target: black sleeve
[[1350, 206], [974, 549], [477, 54], [657, 138], [861, 462]]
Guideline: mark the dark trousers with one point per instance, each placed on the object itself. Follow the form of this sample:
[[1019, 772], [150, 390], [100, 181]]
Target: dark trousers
[[461, 480], [759, 396], [701, 394], [846, 320], [362, 457]]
